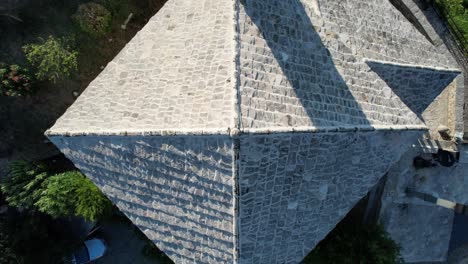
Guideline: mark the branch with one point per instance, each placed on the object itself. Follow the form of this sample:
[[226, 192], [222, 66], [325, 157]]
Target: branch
[[13, 17]]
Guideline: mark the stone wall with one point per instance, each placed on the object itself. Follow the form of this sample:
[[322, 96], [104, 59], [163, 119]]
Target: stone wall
[[294, 188], [177, 190]]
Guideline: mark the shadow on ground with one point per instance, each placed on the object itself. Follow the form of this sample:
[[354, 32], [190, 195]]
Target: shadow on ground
[[126, 244]]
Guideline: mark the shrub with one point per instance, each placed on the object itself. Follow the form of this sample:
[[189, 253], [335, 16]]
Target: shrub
[[455, 7], [72, 194], [61, 195], [93, 19], [14, 81], [23, 184], [456, 14], [53, 58], [349, 244]]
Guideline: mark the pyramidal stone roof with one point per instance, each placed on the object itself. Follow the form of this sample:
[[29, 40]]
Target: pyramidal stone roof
[[243, 131]]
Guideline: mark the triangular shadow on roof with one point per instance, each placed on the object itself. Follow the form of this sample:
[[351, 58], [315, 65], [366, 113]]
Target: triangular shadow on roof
[[416, 87]]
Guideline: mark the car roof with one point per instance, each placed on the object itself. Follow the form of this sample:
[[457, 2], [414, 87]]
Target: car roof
[[96, 248]]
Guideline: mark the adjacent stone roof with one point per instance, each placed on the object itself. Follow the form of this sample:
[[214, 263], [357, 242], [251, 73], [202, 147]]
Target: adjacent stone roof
[[288, 64]]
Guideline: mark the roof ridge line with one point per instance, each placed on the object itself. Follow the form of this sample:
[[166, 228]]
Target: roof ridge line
[[234, 132], [236, 124], [454, 70], [237, 112]]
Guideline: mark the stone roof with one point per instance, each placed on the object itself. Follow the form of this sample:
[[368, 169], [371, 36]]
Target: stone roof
[[243, 131], [176, 73], [189, 70]]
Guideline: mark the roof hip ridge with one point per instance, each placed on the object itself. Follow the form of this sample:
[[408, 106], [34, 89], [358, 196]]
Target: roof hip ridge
[[235, 132]]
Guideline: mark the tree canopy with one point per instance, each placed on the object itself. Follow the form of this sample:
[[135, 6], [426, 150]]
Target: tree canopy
[[24, 183], [67, 194], [349, 243], [72, 194]]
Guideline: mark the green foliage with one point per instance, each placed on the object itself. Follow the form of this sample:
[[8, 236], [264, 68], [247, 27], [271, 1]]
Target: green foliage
[[456, 13], [349, 243], [72, 194], [58, 199], [53, 58], [24, 183], [93, 19], [119, 8], [61, 195], [455, 7], [14, 81], [91, 204]]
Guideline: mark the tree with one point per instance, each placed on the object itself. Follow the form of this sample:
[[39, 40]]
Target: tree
[[67, 194], [23, 184], [72, 194], [456, 7], [349, 243], [53, 58]]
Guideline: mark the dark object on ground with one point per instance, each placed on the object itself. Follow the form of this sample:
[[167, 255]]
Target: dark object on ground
[[458, 208], [446, 158], [92, 249], [461, 209], [423, 196], [419, 163]]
